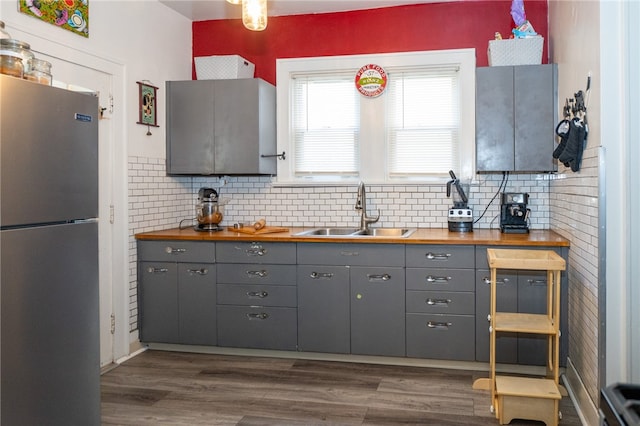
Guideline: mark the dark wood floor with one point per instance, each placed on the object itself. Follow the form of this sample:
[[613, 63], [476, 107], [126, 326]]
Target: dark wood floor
[[171, 388]]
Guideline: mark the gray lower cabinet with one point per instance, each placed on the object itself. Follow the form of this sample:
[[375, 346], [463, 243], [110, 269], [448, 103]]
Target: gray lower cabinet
[[348, 302], [519, 291], [177, 292], [440, 302], [257, 295]]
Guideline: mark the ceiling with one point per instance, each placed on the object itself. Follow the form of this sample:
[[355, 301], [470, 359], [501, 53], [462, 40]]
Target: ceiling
[[200, 10]]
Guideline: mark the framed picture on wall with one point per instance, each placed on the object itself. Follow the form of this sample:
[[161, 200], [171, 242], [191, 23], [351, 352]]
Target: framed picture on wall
[[72, 15], [147, 111]]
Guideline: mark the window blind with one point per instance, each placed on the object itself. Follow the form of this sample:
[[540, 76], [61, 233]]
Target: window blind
[[326, 122], [423, 122]]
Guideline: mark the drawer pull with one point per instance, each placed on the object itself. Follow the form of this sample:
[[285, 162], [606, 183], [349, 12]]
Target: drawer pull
[[319, 275], [171, 250], [349, 253], [436, 324], [260, 294], [433, 302], [379, 277], [260, 316], [153, 270], [432, 279], [537, 282], [438, 256], [499, 281], [256, 250], [201, 271], [259, 274]]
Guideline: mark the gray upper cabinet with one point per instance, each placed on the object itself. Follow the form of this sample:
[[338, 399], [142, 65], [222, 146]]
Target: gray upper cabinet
[[221, 127], [516, 113]]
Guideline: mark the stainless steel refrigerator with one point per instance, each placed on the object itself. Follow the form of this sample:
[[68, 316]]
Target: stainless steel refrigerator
[[49, 335]]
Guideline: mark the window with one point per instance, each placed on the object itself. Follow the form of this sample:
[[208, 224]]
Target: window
[[421, 127]]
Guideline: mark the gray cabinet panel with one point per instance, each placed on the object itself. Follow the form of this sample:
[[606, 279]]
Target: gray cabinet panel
[[159, 302], [351, 254], [378, 311], [221, 127], [440, 256], [258, 327], [257, 274], [323, 309], [440, 336], [256, 252], [441, 302], [177, 251], [507, 301], [516, 110], [532, 299], [197, 303], [257, 295], [440, 279]]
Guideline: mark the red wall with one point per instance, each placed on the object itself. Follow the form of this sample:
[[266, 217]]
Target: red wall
[[434, 26]]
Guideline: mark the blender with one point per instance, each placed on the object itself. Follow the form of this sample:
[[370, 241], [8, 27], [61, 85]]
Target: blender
[[460, 216]]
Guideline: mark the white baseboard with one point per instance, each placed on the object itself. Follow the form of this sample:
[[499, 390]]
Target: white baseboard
[[585, 407]]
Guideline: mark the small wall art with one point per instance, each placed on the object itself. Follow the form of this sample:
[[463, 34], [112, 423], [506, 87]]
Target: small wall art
[[147, 111], [72, 15]]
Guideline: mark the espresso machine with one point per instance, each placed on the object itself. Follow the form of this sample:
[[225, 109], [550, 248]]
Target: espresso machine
[[514, 214], [460, 216], [208, 210]]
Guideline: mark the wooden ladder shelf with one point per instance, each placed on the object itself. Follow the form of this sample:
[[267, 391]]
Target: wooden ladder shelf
[[516, 397]]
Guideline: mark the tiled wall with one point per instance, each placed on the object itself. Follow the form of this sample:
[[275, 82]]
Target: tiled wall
[[157, 201]]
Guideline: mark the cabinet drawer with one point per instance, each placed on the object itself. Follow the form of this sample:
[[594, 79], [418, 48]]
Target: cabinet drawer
[[441, 302], [448, 337], [351, 254], [440, 279], [481, 253], [257, 295], [441, 256], [177, 251], [257, 327], [257, 274], [256, 252]]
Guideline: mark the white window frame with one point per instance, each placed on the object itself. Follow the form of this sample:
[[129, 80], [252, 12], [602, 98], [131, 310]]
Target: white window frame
[[373, 149]]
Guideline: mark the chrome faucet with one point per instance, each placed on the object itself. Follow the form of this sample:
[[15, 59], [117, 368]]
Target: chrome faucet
[[361, 204]]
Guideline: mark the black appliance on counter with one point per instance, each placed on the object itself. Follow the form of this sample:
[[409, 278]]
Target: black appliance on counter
[[208, 210], [514, 214], [460, 216]]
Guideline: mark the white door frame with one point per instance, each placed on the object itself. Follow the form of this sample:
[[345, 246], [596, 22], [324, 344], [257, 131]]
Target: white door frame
[[117, 163]]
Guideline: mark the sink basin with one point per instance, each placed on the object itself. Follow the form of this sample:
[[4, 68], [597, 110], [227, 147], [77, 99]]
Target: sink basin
[[357, 233]]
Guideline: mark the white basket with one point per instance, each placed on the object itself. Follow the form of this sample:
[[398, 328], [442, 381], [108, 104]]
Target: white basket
[[223, 67], [515, 51]]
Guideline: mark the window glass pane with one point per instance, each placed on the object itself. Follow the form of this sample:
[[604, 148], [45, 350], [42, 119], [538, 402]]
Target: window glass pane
[[423, 122], [326, 119]]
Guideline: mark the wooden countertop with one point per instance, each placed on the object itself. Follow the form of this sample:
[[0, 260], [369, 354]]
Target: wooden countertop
[[492, 237]]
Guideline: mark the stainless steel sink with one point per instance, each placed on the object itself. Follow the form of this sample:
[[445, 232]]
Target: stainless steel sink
[[357, 233]]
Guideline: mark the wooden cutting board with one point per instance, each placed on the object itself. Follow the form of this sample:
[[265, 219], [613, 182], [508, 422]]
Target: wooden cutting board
[[252, 231]]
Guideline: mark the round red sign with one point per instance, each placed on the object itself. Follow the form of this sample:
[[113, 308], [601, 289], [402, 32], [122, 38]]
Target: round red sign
[[371, 80]]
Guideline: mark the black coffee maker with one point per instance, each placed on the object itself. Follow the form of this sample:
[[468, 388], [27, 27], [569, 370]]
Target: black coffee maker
[[514, 214]]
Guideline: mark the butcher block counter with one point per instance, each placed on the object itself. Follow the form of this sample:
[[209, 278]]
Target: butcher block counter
[[545, 238]]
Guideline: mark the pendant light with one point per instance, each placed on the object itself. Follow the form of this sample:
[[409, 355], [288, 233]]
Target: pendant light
[[254, 14]]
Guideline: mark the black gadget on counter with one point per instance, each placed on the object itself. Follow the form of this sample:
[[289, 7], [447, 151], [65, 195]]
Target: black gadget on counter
[[514, 214], [460, 216]]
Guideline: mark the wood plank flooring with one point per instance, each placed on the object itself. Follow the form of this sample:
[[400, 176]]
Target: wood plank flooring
[[175, 388]]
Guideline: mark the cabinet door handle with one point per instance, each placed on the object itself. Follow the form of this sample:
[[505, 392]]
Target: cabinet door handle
[[256, 250], [379, 277], [260, 294], [433, 302], [201, 271], [436, 324], [499, 281], [432, 279], [319, 275], [537, 282], [260, 316], [153, 270], [349, 253], [259, 274], [171, 250], [438, 256]]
